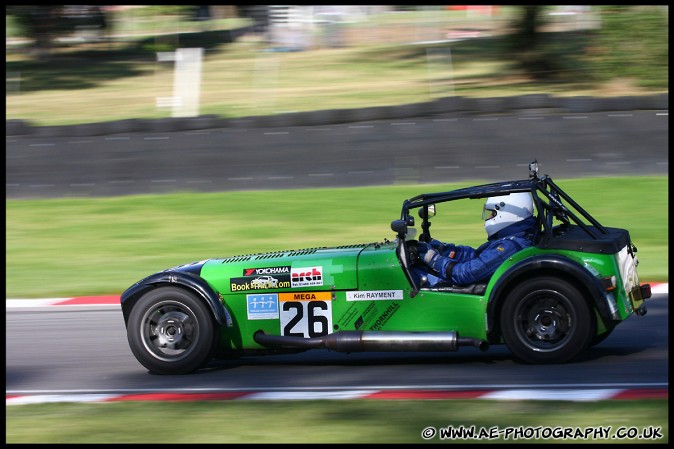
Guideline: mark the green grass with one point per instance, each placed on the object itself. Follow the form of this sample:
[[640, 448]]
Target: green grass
[[337, 421], [71, 247]]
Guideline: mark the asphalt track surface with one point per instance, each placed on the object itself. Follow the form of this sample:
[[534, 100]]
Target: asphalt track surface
[[423, 150], [77, 351]]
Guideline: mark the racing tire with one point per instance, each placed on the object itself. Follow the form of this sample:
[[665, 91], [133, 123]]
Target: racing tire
[[546, 320], [171, 331]]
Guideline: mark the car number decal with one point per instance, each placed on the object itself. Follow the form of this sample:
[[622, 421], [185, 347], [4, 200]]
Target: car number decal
[[305, 315]]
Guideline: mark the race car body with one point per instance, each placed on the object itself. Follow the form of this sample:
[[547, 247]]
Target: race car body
[[547, 303]]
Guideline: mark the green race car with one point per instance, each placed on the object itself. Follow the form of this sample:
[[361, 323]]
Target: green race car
[[547, 302]]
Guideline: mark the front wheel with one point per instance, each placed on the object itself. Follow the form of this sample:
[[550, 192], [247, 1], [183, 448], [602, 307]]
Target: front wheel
[[546, 320], [171, 331]]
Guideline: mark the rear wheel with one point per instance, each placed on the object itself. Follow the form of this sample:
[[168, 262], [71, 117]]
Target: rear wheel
[[546, 320], [171, 331]]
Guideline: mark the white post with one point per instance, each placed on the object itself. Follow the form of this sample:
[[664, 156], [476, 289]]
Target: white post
[[187, 82], [265, 81], [437, 68]]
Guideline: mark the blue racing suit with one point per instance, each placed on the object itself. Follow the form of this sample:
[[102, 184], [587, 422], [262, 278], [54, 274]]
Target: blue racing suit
[[463, 265]]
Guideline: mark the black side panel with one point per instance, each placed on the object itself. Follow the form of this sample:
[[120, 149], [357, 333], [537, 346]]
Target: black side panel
[[575, 238]]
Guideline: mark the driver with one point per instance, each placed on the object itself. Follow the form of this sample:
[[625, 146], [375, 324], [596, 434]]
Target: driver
[[510, 227]]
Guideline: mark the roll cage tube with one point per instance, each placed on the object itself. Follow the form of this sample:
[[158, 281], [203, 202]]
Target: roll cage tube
[[542, 187], [477, 192], [425, 224]]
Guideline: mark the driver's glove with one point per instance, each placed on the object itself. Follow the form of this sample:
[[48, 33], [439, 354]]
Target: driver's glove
[[422, 249], [430, 257], [438, 263], [437, 245], [445, 249]]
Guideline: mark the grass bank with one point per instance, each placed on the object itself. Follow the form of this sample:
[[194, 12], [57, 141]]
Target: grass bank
[[92, 246], [338, 421]]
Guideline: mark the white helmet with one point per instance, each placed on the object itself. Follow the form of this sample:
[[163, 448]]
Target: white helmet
[[502, 211]]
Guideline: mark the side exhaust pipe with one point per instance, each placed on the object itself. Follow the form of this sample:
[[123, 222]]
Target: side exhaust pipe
[[364, 341]]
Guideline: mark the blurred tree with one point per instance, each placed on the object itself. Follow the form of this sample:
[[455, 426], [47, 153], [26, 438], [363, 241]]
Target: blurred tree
[[42, 24], [202, 12], [632, 44], [628, 41], [527, 27], [546, 56], [37, 22]]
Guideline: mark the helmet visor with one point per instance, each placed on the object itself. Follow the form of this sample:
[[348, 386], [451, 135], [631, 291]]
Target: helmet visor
[[488, 214]]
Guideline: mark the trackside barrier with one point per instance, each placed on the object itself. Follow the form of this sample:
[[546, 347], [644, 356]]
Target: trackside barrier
[[524, 104]]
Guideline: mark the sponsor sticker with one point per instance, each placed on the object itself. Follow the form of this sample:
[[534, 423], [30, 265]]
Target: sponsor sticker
[[384, 317], [259, 282], [262, 306], [306, 277], [266, 271], [374, 295], [305, 296], [367, 316]]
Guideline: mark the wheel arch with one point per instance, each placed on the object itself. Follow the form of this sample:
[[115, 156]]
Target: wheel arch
[[546, 265], [184, 280]]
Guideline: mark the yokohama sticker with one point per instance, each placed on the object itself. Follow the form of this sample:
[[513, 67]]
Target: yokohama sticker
[[266, 270], [306, 276], [374, 295]]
